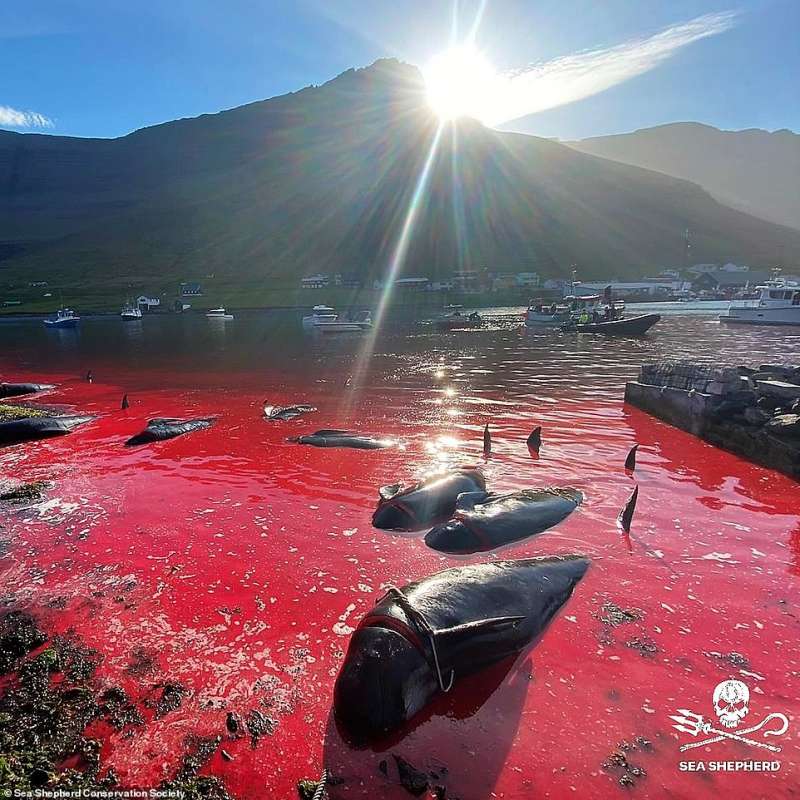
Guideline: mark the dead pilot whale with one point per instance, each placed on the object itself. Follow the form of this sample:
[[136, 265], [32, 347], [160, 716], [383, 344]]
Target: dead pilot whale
[[421, 639], [158, 430], [484, 521], [273, 413], [32, 428], [19, 389], [332, 437], [431, 500]]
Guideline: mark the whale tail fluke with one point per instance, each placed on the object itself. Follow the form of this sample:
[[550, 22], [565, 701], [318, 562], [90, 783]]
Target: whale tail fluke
[[535, 439], [630, 461], [125, 403], [626, 515], [487, 440]]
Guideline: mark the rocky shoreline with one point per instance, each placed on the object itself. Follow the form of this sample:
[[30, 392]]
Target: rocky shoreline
[[753, 412]]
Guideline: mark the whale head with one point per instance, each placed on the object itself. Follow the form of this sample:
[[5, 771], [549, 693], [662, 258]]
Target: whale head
[[383, 682]]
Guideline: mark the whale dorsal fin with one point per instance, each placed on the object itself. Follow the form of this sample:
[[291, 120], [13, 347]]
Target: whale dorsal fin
[[482, 627], [390, 491]]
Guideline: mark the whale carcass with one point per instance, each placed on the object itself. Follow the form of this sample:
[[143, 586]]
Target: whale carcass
[[158, 430], [431, 500], [418, 641], [19, 389], [483, 521], [273, 413], [32, 428], [332, 437]]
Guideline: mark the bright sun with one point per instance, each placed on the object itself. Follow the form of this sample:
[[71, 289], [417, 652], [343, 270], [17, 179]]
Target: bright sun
[[459, 83]]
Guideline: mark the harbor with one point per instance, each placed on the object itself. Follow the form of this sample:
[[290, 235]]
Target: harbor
[[182, 564]]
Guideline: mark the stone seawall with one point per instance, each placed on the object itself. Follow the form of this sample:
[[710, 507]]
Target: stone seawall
[[753, 412]]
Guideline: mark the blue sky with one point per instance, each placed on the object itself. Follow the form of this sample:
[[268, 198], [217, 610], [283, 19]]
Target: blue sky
[[106, 67]]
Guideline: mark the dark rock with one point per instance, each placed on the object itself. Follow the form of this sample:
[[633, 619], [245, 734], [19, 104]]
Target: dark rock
[[19, 634], [756, 416], [785, 426], [259, 725], [172, 695], [411, 779], [232, 724]]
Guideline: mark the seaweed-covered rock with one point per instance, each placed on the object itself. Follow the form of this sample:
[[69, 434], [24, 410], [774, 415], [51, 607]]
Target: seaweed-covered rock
[[32, 492], [12, 412], [171, 698], [19, 634]]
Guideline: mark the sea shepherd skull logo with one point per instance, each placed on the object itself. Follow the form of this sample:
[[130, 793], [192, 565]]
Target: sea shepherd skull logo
[[731, 706]]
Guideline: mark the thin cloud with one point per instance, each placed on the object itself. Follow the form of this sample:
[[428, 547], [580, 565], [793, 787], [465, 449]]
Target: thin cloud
[[12, 118], [539, 87]]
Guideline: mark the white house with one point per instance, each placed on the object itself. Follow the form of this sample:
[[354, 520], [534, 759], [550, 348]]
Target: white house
[[145, 302], [318, 281]]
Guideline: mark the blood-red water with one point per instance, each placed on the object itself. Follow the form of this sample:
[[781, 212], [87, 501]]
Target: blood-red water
[[240, 562]]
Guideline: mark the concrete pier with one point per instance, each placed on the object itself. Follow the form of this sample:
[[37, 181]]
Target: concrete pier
[[753, 412]]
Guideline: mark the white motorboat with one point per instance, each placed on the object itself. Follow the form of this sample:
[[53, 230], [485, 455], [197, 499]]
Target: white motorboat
[[326, 320], [65, 318], [218, 313], [130, 312], [778, 303]]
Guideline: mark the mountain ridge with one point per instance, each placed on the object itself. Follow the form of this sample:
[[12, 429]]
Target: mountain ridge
[[322, 179], [753, 170]]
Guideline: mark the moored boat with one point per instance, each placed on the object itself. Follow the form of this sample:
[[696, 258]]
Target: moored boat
[[65, 318], [625, 326], [130, 312], [326, 320], [218, 313], [778, 303]]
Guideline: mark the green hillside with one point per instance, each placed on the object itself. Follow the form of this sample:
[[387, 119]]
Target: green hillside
[[250, 200]]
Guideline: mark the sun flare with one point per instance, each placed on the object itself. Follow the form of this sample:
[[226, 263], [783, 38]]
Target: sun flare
[[459, 83]]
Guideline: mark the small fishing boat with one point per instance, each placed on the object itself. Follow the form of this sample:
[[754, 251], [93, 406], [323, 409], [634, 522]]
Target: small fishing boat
[[326, 320], [65, 318], [130, 312], [218, 313], [557, 314], [625, 326], [778, 303]]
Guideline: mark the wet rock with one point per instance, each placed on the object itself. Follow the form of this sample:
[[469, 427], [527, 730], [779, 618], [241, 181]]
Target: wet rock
[[19, 634], [726, 660], [172, 695], [756, 416], [232, 724], [611, 614], [32, 492], [643, 645], [117, 707], [187, 782], [785, 426], [259, 725], [142, 662], [619, 764], [411, 779]]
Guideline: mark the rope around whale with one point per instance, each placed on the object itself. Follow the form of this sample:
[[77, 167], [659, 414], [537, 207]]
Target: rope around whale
[[319, 792], [419, 619]]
